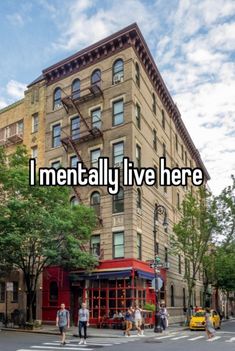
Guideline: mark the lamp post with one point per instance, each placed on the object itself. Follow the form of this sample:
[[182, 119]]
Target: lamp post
[[158, 210]]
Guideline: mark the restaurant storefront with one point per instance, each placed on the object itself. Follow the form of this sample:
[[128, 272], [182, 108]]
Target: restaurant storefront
[[108, 290]]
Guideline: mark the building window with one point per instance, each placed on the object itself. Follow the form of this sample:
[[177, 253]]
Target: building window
[[139, 247], [118, 201], [182, 152], [76, 89], [172, 296], [95, 202], [156, 172], [95, 155], [179, 261], [166, 254], [15, 293], [138, 156], [157, 248], [178, 201], [118, 153], [118, 245], [138, 116], [184, 298], [57, 98], [137, 74], [35, 122], [155, 139], [75, 128], [176, 142], [154, 104], [2, 291], [185, 158], [56, 135], [34, 152], [55, 164], [118, 71], [96, 77], [164, 150], [139, 200], [74, 161], [74, 201], [96, 118], [95, 245], [53, 294], [20, 127], [163, 119], [118, 112]]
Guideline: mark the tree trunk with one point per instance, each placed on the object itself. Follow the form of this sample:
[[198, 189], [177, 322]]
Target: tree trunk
[[189, 310]]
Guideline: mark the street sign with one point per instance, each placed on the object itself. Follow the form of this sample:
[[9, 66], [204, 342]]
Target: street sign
[[159, 283], [9, 286]]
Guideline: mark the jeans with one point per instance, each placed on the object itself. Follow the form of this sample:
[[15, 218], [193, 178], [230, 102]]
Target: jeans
[[84, 326]]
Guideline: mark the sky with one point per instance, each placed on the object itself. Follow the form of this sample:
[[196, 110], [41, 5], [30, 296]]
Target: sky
[[192, 42]]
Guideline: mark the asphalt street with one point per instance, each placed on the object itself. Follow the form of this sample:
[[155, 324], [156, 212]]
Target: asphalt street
[[169, 341]]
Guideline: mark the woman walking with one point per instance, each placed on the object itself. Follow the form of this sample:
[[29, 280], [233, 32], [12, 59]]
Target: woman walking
[[210, 331], [163, 317], [138, 319], [128, 321]]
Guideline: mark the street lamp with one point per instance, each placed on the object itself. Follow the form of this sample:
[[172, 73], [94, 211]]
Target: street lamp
[[158, 210]]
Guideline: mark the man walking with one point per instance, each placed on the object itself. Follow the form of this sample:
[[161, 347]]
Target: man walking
[[83, 323], [63, 322]]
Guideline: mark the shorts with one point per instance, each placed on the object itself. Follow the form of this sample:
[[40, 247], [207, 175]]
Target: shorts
[[62, 329]]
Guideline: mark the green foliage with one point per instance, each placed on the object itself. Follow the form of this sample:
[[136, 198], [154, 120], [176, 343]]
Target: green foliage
[[193, 234], [38, 226], [149, 307]]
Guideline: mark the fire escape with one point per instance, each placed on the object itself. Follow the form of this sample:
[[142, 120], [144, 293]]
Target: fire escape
[[87, 131]]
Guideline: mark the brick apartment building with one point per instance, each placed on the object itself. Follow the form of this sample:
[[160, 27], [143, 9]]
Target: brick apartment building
[[109, 99]]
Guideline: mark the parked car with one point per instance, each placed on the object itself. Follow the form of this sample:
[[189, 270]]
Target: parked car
[[197, 321]]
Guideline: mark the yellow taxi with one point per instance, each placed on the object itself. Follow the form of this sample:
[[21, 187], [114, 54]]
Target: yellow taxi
[[197, 321]]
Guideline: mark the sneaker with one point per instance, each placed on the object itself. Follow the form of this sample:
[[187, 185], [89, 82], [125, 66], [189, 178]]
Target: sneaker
[[126, 335], [80, 342], [84, 342]]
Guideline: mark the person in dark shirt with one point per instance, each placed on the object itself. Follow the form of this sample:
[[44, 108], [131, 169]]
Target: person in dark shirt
[[128, 321]]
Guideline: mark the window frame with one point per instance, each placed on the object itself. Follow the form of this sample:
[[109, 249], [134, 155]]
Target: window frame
[[138, 115], [139, 246], [115, 156], [96, 206], [92, 245], [75, 92], [163, 120], [96, 82], [118, 72], [154, 139], [75, 132], [57, 101], [138, 199], [138, 155], [94, 164], [118, 200], [137, 74], [115, 245], [99, 122], [154, 106], [55, 137], [116, 115], [35, 126]]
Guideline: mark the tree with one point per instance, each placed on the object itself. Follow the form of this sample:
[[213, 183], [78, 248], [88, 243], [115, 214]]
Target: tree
[[38, 226], [192, 235]]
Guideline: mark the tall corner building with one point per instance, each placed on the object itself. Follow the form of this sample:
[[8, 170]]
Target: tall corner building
[[110, 100]]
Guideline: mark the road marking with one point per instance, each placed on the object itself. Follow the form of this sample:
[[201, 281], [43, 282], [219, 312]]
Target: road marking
[[231, 340], [214, 338], [180, 337], [61, 348], [165, 336], [71, 344], [196, 338]]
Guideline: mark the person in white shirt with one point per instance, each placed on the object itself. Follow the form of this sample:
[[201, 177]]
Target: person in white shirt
[[83, 323], [138, 319]]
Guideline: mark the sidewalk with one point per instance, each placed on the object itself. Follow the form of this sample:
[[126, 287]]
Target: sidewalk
[[92, 332]]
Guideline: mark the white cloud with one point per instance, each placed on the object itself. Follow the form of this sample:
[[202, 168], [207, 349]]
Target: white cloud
[[3, 103], [15, 89], [15, 19]]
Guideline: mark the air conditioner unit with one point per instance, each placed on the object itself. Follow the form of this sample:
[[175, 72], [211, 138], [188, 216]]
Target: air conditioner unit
[[139, 211], [167, 265], [118, 78]]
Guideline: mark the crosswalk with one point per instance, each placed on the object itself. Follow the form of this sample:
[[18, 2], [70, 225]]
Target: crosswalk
[[72, 344], [188, 337]]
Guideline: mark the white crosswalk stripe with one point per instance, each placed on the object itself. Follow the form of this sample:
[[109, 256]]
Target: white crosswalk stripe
[[214, 338], [197, 338], [231, 340], [180, 337]]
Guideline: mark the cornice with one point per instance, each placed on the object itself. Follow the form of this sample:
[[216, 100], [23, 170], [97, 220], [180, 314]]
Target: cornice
[[130, 36]]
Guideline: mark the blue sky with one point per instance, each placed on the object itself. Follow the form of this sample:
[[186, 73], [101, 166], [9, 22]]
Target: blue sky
[[193, 43]]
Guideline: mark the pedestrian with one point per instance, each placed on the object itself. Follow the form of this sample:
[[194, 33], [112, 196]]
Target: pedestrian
[[138, 319], [163, 317], [210, 331], [63, 322], [83, 323], [128, 321]]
